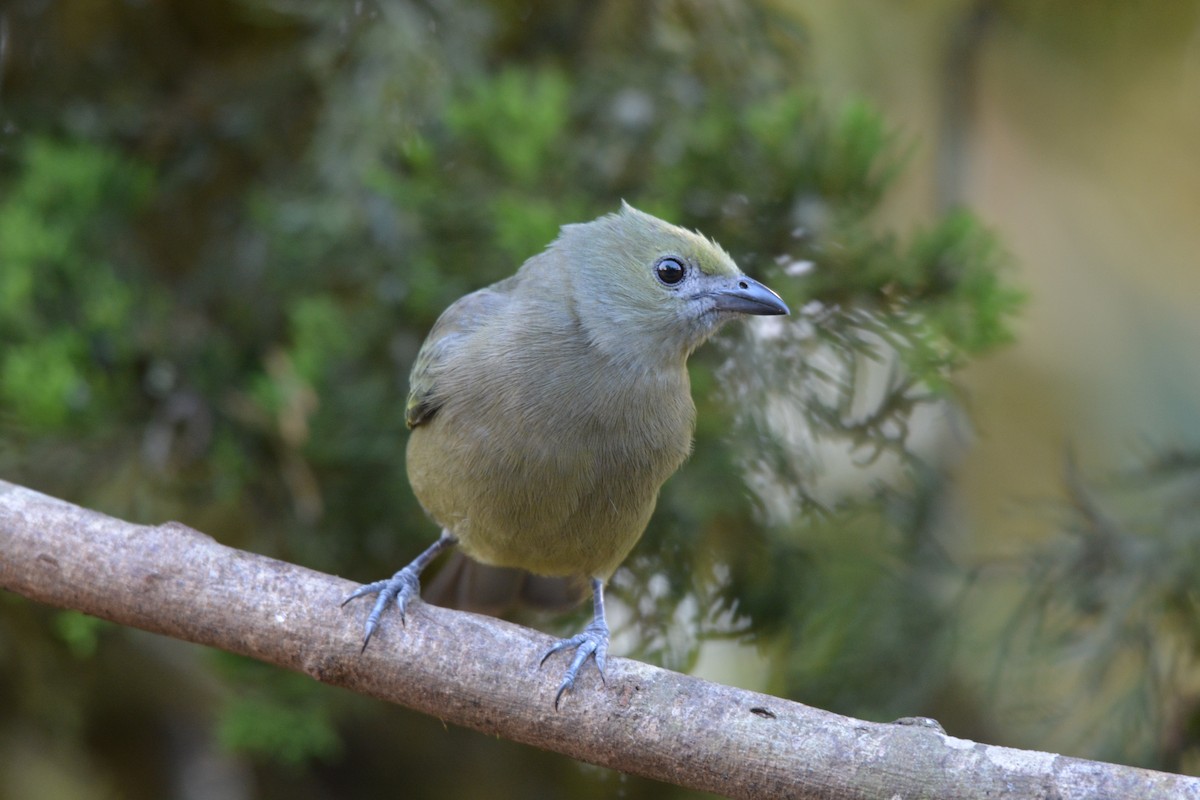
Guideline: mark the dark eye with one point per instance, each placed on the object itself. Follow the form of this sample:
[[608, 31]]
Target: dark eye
[[670, 270]]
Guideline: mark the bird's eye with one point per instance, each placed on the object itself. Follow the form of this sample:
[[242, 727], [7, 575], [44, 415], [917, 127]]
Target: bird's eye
[[670, 270]]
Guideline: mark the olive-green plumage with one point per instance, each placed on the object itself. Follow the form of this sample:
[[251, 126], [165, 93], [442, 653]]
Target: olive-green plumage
[[548, 409]]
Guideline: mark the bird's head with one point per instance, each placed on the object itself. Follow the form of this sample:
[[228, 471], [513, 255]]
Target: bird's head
[[650, 291]]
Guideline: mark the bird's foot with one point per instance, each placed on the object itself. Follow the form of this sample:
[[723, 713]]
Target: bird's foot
[[593, 641], [399, 589]]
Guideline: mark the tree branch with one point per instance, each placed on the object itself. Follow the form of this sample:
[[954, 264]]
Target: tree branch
[[483, 674]]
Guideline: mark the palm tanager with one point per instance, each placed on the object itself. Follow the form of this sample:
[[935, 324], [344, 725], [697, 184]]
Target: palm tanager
[[548, 409]]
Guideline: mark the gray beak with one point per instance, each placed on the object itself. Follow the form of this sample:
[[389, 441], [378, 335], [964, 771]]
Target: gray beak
[[742, 295]]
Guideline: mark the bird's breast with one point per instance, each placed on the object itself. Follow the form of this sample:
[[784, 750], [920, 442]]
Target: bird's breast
[[553, 477]]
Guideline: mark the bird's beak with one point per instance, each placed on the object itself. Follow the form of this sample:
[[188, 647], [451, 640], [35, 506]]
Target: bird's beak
[[742, 295]]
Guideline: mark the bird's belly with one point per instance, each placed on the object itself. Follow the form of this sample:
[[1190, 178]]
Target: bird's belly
[[553, 505]]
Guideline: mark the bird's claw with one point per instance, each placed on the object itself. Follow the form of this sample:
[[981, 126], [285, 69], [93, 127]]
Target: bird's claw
[[398, 589], [593, 642]]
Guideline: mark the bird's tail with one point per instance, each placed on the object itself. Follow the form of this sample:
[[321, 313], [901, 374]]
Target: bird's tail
[[470, 586]]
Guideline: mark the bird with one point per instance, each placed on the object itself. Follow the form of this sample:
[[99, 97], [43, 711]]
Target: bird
[[548, 409]]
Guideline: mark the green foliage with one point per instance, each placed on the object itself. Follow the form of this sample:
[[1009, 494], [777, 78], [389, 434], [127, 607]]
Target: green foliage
[[1112, 603], [520, 117], [277, 717], [320, 336], [80, 632], [962, 259], [268, 727], [65, 306], [40, 382]]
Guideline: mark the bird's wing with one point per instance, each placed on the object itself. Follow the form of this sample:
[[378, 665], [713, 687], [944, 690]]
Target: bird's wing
[[452, 329]]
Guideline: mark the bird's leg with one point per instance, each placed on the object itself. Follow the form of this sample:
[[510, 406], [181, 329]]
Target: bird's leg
[[401, 587], [593, 641]]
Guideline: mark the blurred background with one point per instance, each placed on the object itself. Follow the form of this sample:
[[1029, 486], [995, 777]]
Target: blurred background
[[962, 481]]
